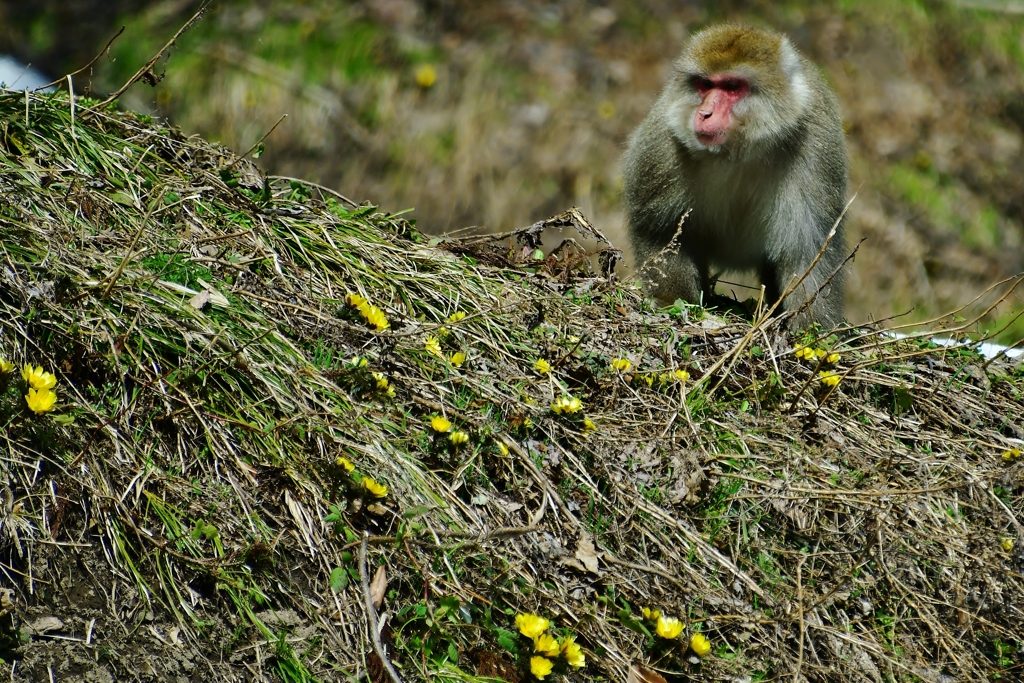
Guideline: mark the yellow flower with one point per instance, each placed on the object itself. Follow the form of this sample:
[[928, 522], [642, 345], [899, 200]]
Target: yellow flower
[[502, 447], [542, 366], [700, 645], [832, 358], [426, 76], [456, 316], [1011, 454], [457, 359], [588, 425], [622, 364], [354, 300], [530, 625], [458, 438], [681, 375], [828, 378], [359, 362], [40, 400], [805, 352], [648, 380], [440, 424], [375, 489], [567, 405], [546, 645], [433, 346], [382, 381], [651, 614], [573, 653], [38, 378], [5, 366], [540, 667], [375, 317], [344, 463], [1007, 544], [820, 353], [668, 627]]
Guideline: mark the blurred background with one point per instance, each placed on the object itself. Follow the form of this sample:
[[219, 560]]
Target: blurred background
[[497, 114]]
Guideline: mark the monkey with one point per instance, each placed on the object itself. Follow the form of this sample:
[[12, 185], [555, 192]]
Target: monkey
[[747, 137]]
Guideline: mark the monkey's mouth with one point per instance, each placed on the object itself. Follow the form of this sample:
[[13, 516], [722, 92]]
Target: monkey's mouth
[[711, 139]]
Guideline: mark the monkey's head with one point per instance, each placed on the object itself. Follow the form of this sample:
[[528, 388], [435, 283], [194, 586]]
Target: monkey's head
[[737, 87]]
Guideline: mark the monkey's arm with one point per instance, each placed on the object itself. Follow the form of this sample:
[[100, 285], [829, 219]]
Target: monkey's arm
[[656, 200]]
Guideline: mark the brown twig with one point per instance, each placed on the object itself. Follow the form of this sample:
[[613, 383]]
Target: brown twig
[[87, 66], [371, 612], [147, 68]]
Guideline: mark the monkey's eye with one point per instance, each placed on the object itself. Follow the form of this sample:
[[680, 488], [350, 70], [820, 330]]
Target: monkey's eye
[[701, 84], [732, 85]]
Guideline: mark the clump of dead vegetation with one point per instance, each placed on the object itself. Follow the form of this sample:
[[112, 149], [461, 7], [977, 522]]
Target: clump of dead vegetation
[[279, 412]]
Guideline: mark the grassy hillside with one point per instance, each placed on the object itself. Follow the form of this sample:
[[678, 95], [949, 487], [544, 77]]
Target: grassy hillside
[[274, 408]]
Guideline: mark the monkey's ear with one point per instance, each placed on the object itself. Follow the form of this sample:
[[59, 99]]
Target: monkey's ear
[[793, 67]]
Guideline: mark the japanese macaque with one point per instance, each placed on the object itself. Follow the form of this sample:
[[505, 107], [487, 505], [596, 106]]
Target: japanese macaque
[[747, 137]]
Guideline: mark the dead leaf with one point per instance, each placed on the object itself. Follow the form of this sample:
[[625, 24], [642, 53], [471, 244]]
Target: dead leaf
[[199, 300], [587, 554], [640, 674], [378, 586]]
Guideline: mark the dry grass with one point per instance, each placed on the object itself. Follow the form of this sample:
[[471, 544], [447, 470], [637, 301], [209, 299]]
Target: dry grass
[[195, 315]]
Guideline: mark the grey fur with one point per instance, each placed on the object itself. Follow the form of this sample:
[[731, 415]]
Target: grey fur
[[766, 204]]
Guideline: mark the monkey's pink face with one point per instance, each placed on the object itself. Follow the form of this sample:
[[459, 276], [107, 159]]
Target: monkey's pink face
[[713, 119]]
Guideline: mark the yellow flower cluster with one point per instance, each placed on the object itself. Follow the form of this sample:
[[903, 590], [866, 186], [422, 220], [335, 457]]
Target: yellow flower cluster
[[829, 378], [1007, 544], [621, 364], [383, 384], [440, 424], [662, 379], [547, 646], [542, 367], [1011, 454], [566, 405], [456, 316], [809, 353], [40, 397], [457, 359], [369, 484], [371, 313], [458, 437]]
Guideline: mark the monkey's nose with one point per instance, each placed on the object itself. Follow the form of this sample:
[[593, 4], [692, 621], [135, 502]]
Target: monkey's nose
[[705, 113]]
